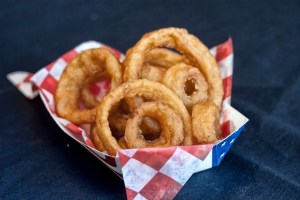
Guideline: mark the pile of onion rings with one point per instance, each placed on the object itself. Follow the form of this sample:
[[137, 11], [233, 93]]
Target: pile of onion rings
[[167, 92]]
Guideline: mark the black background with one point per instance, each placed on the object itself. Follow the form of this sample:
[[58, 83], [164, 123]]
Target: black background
[[38, 161]]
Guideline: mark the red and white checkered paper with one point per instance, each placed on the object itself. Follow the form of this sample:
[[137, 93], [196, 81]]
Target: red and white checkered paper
[[148, 173]]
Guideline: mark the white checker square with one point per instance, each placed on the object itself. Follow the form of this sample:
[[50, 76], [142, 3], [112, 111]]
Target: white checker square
[[213, 51], [139, 197], [227, 100], [26, 89], [40, 76], [87, 45], [136, 174], [58, 68], [17, 77], [205, 164], [128, 152], [225, 66], [122, 57], [181, 166]]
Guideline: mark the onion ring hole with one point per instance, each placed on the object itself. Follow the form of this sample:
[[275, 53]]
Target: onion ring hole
[[189, 87], [147, 134]]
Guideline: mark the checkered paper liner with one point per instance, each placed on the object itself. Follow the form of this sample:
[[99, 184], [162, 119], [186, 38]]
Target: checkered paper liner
[[148, 173]]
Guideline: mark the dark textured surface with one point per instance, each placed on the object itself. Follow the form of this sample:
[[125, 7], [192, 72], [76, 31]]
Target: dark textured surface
[[38, 161]]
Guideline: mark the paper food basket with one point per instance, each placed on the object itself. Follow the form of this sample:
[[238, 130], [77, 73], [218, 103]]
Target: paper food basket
[[148, 173]]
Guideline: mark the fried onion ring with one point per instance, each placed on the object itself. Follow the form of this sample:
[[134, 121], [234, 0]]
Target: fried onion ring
[[122, 143], [97, 142], [152, 72], [187, 44], [144, 88], [164, 58], [83, 66], [177, 77], [206, 123], [172, 128], [119, 116], [156, 62], [95, 139]]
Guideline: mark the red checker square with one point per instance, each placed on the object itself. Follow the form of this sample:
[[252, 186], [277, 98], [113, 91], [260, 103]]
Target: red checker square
[[49, 67], [95, 89], [130, 193], [227, 82], [154, 157], [164, 187], [110, 160], [27, 78], [73, 128], [199, 151], [225, 127], [49, 84], [69, 56], [224, 50], [106, 85], [89, 143], [123, 159], [34, 88]]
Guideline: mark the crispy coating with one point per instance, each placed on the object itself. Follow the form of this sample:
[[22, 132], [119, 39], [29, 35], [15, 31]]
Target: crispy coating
[[176, 78], [152, 72], [97, 142], [95, 139], [206, 123], [188, 45], [122, 143], [165, 58], [172, 127], [144, 88], [83, 66]]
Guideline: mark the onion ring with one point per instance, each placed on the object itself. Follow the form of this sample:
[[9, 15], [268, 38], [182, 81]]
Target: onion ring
[[156, 62], [176, 78], [155, 65], [118, 118], [164, 58], [97, 142], [172, 128], [95, 139], [152, 72], [145, 88], [83, 66], [187, 44], [122, 143], [206, 123]]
